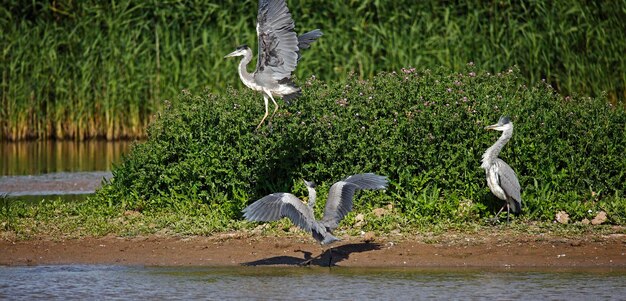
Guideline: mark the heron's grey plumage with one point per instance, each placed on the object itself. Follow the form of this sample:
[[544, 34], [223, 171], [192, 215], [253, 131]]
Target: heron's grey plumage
[[501, 178], [278, 205], [278, 42], [340, 195], [278, 53], [305, 40]]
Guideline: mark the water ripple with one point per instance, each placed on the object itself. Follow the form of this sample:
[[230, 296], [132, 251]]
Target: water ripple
[[255, 283]]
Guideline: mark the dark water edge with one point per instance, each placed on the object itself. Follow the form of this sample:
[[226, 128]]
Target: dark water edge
[[253, 283], [53, 184]]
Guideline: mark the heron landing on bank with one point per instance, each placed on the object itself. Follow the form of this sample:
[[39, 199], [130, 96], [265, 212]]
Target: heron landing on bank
[[501, 178], [339, 203], [279, 53]]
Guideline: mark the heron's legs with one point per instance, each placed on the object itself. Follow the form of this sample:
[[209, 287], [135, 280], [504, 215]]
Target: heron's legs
[[330, 257], [508, 213], [266, 112], [275, 105]]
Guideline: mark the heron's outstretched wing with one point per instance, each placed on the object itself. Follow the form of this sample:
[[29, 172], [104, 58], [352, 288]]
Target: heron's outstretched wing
[[278, 43], [509, 183], [278, 205], [339, 202], [305, 40]]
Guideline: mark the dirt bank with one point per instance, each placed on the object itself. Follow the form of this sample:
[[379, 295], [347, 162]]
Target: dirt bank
[[447, 250]]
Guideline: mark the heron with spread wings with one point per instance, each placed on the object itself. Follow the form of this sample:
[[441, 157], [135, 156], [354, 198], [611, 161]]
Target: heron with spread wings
[[278, 55], [339, 203], [501, 178]]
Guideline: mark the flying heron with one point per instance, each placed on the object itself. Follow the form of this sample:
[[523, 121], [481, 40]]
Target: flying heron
[[501, 178], [339, 203], [279, 52]]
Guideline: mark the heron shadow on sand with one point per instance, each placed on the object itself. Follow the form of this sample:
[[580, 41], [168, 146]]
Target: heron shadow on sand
[[326, 259]]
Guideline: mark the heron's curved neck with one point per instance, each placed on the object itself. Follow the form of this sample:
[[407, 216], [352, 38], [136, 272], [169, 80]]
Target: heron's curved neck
[[246, 77], [492, 153], [312, 197]]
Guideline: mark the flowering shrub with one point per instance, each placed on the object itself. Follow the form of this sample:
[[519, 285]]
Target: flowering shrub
[[423, 129]]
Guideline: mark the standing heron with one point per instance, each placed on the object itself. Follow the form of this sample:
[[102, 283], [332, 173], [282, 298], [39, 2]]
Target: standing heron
[[501, 178], [279, 52], [339, 203]]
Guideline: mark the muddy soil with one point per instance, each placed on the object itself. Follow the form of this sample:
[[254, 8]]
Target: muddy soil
[[498, 249]]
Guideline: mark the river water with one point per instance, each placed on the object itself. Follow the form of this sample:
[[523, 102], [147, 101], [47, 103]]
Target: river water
[[52, 169], [44, 157], [88, 282]]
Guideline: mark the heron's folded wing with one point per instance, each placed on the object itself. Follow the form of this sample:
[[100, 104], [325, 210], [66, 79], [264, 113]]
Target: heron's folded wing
[[340, 195], [278, 205], [278, 43], [508, 181]]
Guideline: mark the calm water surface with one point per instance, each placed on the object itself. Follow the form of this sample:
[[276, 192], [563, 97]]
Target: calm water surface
[[34, 170], [121, 282], [44, 157]]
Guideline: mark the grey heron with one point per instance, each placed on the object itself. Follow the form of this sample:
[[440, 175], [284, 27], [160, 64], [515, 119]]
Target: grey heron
[[279, 53], [338, 204], [501, 178]]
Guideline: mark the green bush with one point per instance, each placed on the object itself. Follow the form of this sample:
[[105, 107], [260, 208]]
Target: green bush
[[80, 69], [422, 129]]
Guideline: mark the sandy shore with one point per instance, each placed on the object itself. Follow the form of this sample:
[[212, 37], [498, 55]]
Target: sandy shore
[[230, 249]]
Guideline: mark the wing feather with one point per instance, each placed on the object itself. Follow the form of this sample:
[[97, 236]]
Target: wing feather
[[305, 40], [278, 205], [509, 182], [340, 195], [278, 42]]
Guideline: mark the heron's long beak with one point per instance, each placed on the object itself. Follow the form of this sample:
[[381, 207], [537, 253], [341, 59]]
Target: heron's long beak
[[234, 53], [309, 184], [491, 127]]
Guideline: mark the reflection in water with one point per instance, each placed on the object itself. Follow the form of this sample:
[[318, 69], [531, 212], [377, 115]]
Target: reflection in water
[[39, 157], [235, 283]]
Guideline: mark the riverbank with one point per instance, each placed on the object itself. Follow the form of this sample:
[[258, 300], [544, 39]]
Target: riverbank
[[500, 248]]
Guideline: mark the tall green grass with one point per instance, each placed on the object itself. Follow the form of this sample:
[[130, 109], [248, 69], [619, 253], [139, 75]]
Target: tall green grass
[[80, 69]]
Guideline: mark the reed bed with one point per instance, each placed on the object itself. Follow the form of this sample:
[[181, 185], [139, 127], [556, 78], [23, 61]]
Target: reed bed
[[83, 69]]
